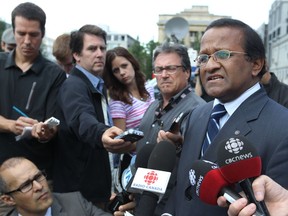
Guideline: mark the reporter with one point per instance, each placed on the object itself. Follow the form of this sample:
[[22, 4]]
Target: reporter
[[25, 188], [274, 195]]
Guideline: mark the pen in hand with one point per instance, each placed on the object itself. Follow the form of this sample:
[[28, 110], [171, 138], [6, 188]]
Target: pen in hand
[[19, 111]]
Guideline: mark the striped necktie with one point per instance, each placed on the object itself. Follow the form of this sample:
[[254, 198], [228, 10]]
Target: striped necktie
[[213, 125]]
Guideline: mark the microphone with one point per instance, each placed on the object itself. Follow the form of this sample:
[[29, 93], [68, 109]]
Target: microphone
[[141, 160], [156, 177], [239, 162], [208, 183]]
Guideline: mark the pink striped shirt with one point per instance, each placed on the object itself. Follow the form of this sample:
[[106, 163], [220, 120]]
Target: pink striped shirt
[[132, 113]]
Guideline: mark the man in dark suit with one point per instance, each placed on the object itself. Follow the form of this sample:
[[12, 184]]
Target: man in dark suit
[[81, 161], [232, 62], [275, 89], [25, 187]]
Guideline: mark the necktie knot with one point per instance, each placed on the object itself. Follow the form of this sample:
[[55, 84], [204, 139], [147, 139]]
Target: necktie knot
[[213, 125], [218, 112], [99, 86]]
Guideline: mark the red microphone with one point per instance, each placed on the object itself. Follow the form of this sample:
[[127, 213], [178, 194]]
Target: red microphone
[[208, 183], [238, 159], [239, 162]]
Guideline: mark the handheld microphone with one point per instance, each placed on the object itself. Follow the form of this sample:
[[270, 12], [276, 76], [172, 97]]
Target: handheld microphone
[[161, 161], [239, 162], [141, 160], [208, 183]]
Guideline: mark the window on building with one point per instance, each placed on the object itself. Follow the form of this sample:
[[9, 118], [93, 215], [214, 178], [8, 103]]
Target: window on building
[[279, 14], [193, 34], [122, 37]]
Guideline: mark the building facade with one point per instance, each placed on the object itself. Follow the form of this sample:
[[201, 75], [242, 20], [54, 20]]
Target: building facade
[[277, 39], [197, 17], [113, 40], [116, 40], [274, 34]]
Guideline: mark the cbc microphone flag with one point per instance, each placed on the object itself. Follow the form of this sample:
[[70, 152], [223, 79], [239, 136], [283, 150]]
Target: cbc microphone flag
[[151, 180]]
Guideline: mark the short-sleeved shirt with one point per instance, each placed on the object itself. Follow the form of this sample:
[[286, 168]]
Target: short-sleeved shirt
[[33, 92], [132, 113]]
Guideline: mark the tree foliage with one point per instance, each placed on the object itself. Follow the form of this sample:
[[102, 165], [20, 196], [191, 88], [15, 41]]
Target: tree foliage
[[144, 54]]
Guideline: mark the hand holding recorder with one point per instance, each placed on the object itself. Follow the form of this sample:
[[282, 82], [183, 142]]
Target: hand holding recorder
[[131, 135]]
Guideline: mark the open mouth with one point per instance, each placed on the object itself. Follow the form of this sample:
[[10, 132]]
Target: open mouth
[[215, 78]]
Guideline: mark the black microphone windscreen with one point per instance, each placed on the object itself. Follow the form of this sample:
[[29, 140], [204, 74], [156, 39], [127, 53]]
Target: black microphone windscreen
[[206, 181], [163, 156], [147, 204], [143, 156]]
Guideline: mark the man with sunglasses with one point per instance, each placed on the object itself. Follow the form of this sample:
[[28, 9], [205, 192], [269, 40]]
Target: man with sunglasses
[[24, 186], [232, 62]]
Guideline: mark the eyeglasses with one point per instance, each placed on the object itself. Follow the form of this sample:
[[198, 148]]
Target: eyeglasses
[[170, 69], [28, 185], [219, 55]]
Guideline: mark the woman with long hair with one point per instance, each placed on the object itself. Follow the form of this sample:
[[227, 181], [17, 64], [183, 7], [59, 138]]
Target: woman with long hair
[[129, 94]]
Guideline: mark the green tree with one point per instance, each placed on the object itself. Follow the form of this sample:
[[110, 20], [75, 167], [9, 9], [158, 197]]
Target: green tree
[[43, 50], [138, 51], [196, 44], [144, 54], [150, 47]]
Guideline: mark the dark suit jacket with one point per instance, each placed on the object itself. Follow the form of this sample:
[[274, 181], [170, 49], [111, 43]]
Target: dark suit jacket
[[71, 204], [277, 90], [261, 120], [81, 162]]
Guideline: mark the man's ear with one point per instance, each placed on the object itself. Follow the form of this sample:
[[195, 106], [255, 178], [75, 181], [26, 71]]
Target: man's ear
[[257, 66], [76, 56], [8, 200]]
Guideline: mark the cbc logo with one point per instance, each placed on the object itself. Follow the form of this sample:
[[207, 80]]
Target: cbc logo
[[192, 177], [234, 145], [150, 177]]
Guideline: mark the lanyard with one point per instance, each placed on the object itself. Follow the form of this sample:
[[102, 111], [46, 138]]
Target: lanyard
[[172, 103]]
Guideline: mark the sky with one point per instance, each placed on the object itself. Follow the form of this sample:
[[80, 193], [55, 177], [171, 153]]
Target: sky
[[134, 17]]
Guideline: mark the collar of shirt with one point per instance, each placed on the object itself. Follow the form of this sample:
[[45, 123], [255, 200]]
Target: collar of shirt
[[233, 105], [36, 67], [10, 59], [160, 98], [48, 212], [96, 81]]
